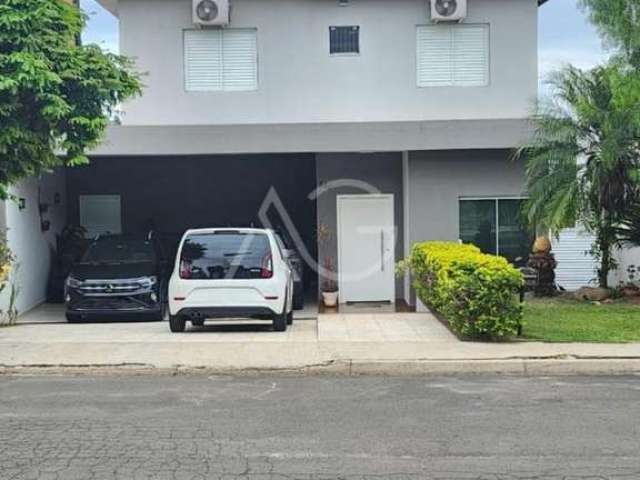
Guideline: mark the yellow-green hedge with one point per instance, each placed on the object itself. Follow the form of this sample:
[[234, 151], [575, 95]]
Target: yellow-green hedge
[[475, 292]]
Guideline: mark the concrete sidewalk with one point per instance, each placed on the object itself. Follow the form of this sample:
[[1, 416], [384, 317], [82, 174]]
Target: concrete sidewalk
[[410, 343]]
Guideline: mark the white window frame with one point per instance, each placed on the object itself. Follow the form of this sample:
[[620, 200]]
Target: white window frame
[[222, 87], [453, 83], [496, 201]]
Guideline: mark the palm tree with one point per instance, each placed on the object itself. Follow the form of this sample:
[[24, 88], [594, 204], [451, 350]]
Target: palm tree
[[629, 230], [582, 162]]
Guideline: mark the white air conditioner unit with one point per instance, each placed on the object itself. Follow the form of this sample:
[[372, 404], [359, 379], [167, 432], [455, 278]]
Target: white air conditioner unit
[[448, 10], [210, 12]]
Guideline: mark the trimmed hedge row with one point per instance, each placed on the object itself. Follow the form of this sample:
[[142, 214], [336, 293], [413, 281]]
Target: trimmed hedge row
[[477, 293]]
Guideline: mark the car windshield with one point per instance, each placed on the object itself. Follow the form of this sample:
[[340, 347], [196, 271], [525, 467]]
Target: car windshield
[[226, 254], [119, 250]]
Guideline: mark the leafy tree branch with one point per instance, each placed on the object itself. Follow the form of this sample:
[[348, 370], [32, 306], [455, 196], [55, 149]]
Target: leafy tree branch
[[56, 97]]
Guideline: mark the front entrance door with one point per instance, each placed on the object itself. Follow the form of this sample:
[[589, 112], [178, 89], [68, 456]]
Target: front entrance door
[[366, 248]]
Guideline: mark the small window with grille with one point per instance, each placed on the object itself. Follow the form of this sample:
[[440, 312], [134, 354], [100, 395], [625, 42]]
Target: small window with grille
[[344, 40]]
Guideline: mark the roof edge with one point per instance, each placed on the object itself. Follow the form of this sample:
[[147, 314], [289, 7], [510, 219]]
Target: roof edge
[[112, 5], [109, 5]]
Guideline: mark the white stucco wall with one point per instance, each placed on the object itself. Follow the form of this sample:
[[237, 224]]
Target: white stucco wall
[[32, 247], [625, 258], [300, 82], [437, 181]]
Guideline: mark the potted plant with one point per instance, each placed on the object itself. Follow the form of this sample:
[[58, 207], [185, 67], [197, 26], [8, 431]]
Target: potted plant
[[329, 287], [630, 289]]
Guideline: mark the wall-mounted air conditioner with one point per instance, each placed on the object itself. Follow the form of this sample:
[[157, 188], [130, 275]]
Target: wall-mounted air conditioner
[[210, 12], [448, 10]]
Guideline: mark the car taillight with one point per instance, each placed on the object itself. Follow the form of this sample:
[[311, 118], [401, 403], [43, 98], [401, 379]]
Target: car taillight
[[266, 269], [185, 269]]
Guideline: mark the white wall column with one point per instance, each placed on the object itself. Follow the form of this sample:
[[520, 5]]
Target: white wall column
[[30, 244]]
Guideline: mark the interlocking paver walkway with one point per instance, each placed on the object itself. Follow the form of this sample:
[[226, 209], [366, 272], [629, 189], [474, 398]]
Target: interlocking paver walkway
[[382, 327]]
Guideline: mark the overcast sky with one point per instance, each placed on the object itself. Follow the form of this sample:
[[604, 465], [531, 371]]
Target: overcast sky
[[565, 34]]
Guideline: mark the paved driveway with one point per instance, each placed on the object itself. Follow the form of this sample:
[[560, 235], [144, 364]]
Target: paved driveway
[[42, 339], [47, 324], [341, 343]]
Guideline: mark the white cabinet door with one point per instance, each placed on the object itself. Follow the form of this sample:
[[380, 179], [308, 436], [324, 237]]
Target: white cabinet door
[[366, 248]]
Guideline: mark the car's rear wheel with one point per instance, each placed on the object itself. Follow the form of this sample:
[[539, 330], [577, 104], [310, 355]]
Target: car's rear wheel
[[73, 318], [280, 320], [177, 324]]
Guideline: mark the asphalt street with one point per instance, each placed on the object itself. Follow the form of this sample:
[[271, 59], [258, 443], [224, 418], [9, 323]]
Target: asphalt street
[[199, 427]]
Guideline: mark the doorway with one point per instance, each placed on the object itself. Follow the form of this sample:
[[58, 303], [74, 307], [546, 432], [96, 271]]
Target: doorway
[[366, 246]]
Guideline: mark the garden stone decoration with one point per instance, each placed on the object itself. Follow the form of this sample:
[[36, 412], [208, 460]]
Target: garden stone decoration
[[593, 294], [544, 263]]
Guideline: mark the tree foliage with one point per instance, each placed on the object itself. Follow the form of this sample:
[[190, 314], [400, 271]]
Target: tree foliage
[[618, 21], [582, 162], [56, 97], [629, 228]]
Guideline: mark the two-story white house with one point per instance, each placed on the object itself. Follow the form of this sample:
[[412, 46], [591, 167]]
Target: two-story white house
[[371, 124]]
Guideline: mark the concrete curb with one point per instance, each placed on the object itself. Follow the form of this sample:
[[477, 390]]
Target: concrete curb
[[516, 367]]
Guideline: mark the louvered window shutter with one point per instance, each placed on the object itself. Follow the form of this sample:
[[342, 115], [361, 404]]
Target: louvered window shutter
[[470, 55], [434, 60], [240, 59], [203, 60], [216, 60], [452, 55]]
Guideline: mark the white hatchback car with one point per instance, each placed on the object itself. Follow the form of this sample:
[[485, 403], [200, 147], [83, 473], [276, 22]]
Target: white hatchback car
[[230, 273]]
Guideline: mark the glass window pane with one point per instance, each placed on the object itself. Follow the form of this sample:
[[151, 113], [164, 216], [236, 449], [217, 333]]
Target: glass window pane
[[344, 39], [117, 249], [515, 239], [478, 224], [226, 254]]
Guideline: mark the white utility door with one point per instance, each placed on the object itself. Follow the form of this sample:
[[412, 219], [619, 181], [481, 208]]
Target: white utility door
[[366, 248], [577, 267]]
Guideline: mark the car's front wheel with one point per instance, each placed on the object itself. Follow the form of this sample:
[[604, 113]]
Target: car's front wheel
[[159, 317], [177, 324]]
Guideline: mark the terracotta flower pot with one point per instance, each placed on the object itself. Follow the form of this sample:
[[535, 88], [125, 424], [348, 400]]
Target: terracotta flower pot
[[330, 299], [542, 245]]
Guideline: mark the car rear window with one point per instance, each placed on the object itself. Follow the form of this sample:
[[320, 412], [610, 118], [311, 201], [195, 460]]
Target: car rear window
[[119, 250], [226, 255]]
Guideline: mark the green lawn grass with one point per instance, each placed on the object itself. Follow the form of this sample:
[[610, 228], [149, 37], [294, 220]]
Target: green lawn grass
[[562, 320]]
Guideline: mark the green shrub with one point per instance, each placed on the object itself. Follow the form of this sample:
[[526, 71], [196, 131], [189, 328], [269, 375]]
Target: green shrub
[[475, 292]]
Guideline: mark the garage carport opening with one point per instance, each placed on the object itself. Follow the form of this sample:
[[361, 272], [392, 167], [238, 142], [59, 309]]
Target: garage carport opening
[[168, 195]]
